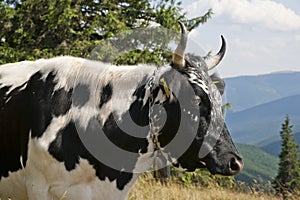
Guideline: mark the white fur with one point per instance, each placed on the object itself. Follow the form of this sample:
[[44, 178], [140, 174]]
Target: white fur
[[194, 79], [16, 74]]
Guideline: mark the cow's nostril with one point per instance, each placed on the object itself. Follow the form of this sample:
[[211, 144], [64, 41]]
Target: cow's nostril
[[235, 165]]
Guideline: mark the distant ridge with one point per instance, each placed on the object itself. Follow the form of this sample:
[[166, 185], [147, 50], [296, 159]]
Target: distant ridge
[[248, 91], [284, 72], [263, 122], [274, 148], [265, 74]]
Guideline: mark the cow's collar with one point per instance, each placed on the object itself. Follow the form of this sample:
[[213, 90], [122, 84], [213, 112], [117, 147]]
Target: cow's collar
[[158, 152], [151, 87], [154, 81]]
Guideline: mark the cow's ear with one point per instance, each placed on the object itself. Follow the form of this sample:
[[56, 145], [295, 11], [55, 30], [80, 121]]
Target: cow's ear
[[165, 87], [170, 83], [219, 82], [178, 55]]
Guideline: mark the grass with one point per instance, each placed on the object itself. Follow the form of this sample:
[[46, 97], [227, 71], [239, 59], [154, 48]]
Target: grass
[[147, 188]]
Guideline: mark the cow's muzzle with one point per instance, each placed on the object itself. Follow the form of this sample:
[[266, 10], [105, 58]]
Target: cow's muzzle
[[235, 165], [226, 166]]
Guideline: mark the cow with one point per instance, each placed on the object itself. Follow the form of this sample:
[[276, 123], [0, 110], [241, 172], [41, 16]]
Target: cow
[[51, 110]]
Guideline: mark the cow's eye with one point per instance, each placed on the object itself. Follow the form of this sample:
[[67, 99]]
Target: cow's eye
[[198, 100]]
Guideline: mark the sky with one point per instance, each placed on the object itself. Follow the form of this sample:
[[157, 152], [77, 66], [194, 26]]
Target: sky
[[263, 36]]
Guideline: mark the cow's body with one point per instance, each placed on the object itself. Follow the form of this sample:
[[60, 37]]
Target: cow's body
[[49, 109], [46, 87]]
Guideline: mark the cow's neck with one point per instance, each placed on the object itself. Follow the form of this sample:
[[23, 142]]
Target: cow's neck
[[120, 109], [164, 112]]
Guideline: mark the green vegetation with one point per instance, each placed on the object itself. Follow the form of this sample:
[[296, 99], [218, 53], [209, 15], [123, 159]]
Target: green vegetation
[[258, 165], [148, 188], [287, 180], [201, 177], [33, 29]]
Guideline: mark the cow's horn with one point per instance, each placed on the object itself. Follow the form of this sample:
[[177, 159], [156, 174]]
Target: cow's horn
[[213, 61], [178, 55]]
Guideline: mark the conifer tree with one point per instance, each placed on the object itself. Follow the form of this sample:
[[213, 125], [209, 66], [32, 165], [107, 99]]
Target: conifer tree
[[287, 181], [32, 29]]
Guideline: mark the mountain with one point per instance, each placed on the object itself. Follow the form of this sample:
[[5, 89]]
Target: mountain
[[248, 91], [258, 164], [274, 147], [259, 107], [263, 122]]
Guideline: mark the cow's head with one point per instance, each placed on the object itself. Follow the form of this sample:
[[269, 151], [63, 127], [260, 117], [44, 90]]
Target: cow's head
[[195, 114]]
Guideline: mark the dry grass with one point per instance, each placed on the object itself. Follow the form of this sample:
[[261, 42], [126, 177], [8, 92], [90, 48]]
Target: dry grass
[[148, 189]]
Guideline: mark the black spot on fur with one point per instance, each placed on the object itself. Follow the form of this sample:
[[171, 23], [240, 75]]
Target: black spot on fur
[[45, 102], [170, 128], [105, 94], [29, 107], [41, 92], [122, 139], [68, 148], [138, 111], [14, 129], [81, 95], [3, 95], [61, 102]]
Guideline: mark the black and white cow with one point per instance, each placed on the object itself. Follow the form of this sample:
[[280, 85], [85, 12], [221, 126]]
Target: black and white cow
[[43, 122]]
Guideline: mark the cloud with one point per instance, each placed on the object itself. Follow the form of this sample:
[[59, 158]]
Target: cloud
[[263, 13], [261, 55]]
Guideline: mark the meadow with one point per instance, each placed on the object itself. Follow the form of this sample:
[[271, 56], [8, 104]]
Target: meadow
[[147, 188]]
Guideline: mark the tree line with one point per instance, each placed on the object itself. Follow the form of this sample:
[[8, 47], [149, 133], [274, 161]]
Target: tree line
[[287, 181], [32, 29]]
